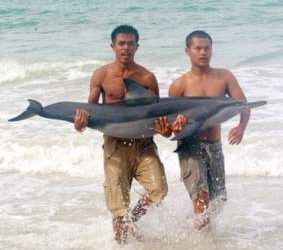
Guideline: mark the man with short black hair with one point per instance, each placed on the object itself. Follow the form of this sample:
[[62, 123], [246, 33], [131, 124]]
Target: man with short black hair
[[201, 158], [125, 159]]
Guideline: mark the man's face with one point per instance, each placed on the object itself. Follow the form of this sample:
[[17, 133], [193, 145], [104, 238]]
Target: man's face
[[200, 51], [125, 47]]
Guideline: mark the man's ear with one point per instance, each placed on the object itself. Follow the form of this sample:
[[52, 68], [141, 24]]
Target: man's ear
[[187, 51]]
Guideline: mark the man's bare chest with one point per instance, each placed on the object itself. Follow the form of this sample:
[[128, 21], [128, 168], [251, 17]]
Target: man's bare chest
[[207, 88], [114, 88]]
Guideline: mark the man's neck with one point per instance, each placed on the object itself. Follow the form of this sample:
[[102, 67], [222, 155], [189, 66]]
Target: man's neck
[[125, 66], [195, 70]]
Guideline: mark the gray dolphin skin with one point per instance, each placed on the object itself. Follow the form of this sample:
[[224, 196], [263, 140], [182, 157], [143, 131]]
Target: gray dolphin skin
[[134, 117]]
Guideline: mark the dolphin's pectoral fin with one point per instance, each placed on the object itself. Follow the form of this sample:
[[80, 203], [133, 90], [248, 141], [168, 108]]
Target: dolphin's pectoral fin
[[187, 131], [136, 94], [256, 104]]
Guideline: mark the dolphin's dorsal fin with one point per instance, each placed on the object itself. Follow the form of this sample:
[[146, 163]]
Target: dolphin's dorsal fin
[[136, 94], [135, 90]]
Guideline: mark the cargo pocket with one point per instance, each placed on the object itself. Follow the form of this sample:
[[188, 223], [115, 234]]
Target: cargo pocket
[[184, 165]]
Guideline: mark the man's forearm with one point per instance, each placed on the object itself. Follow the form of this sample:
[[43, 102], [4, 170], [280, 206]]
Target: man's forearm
[[244, 118]]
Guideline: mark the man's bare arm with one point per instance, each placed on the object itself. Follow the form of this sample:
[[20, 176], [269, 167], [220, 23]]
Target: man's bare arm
[[162, 125], [152, 83], [234, 90], [95, 86], [177, 88], [81, 117]]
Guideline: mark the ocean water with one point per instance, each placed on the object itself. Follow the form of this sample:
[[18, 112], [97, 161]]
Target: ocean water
[[51, 176]]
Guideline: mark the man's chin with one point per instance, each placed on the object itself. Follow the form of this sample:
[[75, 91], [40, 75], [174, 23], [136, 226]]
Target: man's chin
[[203, 64], [126, 61]]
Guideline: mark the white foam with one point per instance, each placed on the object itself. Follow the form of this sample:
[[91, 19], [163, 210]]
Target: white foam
[[19, 70], [63, 212], [44, 146]]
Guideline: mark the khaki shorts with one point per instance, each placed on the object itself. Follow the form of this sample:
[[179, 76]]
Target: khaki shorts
[[125, 159], [202, 169]]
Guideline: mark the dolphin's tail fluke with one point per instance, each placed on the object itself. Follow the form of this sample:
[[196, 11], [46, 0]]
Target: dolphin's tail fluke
[[256, 104], [34, 108]]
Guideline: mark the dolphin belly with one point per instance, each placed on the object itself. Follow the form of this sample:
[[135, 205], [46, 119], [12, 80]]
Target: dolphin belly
[[223, 115], [133, 129]]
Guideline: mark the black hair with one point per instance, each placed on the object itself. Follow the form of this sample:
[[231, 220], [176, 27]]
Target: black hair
[[198, 34], [124, 29]]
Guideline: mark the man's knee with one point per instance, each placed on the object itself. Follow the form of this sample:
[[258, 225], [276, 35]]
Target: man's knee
[[117, 198], [158, 191], [154, 181], [201, 202]]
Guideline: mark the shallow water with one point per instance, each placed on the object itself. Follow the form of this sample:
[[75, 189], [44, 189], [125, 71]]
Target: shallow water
[[58, 211]]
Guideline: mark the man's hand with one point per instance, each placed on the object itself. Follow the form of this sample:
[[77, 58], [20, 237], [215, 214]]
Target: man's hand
[[162, 126], [179, 124], [236, 135], [81, 120]]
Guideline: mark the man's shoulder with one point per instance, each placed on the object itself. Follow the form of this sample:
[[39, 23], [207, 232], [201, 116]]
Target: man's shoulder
[[99, 74], [144, 71], [181, 79], [145, 75], [221, 71], [178, 86], [104, 68], [103, 71]]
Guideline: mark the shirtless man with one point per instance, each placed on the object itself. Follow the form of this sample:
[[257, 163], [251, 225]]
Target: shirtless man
[[125, 159], [201, 159]]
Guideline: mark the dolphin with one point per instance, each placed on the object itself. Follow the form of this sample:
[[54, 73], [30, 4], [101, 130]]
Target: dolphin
[[134, 117]]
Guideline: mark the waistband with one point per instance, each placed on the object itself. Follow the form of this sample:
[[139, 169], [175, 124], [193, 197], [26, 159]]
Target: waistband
[[193, 144], [128, 141], [211, 144]]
